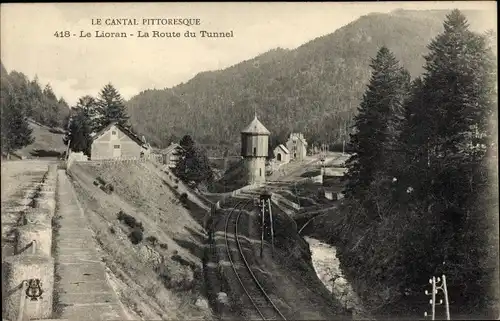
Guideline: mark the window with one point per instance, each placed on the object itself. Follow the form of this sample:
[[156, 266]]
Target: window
[[116, 146], [260, 171], [113, 132], [255, 151]]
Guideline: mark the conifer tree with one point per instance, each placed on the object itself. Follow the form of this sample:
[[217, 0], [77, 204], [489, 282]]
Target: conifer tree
[[81, 124], [446, 141], [111, 106], [193, 164], [377, 123], [16, 132]]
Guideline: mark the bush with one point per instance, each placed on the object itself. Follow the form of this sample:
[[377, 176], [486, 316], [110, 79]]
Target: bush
[[176, 180], [100, 180], [164, 246], [96, 183], [176, 186], [112, 230], [111, 188], [183, 198], [136, 236], [152, 239], [127, 219]]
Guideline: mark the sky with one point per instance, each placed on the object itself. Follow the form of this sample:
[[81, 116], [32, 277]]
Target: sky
[[76, 66]]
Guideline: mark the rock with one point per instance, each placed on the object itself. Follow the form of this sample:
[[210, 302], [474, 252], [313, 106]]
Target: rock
[[202, 303], [222, 298]]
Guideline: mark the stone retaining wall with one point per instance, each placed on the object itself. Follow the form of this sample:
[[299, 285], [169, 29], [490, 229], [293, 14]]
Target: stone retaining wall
[[28, 275]]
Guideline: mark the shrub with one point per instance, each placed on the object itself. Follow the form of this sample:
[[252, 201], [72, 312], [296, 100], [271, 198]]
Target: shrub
[[101, 181], [152, 239], [135, 236], [176, 186], [127, 219], [112, 230], [176, 180], [96, 183], [164, 246], [183, 198], [111, 188]]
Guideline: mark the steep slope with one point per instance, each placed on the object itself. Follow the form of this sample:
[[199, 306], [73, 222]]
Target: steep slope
[[151, 243], [315, 88], [48, 143]]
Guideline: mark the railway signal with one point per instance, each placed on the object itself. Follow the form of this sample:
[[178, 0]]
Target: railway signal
[[265, 206]]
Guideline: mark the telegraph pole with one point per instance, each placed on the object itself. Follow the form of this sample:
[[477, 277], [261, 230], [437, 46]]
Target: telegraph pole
[[435, 289]]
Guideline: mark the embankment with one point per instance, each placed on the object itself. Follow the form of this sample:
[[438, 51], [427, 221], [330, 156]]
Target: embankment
[[152, 244]]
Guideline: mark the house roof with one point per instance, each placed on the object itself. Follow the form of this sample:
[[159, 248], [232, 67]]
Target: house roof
[[299, 137], [170, 148], [283, 148], [256, 127], [125, 130]]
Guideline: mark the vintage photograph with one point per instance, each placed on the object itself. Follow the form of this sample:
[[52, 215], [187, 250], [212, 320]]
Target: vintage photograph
[[249, 161]]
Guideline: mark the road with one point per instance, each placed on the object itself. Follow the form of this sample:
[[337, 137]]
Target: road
[[294, 170]]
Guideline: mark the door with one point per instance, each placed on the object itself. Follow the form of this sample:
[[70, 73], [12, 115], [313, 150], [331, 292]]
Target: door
[[117, 151]]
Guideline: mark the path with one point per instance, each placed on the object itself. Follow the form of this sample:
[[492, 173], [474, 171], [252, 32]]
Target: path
[[82, 288]]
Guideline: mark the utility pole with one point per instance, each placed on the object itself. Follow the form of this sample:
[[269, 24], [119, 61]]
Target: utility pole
[[432, 301]]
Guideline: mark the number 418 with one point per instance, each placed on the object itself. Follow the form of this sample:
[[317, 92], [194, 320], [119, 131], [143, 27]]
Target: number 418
[[62, 34]]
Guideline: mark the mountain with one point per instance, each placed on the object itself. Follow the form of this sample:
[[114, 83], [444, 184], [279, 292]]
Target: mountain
[[315, 88]]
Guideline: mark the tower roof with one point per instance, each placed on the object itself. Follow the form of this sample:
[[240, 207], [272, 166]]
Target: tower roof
[[256, 127]]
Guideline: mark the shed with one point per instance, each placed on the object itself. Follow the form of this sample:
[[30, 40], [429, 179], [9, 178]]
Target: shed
[[281, 154]]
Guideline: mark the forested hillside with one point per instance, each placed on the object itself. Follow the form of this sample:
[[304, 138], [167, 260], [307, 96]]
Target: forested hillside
[[41, 104], [315, 88]]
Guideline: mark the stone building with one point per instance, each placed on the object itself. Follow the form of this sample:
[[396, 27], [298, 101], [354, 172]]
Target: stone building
[[297, 145], [254, 149], [117, 142]]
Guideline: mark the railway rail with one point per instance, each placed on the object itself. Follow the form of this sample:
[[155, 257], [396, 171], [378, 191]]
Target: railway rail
[[263, 304]]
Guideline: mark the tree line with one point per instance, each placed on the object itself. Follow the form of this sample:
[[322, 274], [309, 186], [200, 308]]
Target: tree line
[[21, 99], [91, 114], [419, 196]]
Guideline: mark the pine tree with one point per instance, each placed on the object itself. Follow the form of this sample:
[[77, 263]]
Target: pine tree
[[377, 123], [111, 106], [446, 142], [81, 124], [193, 165], [16, 132]]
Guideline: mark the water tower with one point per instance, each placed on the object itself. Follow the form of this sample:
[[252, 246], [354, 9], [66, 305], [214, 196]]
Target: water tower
[[254, 149]]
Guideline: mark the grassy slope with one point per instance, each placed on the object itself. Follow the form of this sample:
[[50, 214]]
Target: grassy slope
[[46, 144], [157, 281]]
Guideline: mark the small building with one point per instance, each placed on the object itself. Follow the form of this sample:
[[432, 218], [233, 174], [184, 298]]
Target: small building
[[170, 156], [118, 142], [281, 155], [297, 145]]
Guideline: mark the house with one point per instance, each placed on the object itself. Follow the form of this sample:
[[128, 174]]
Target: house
[[281, 154], [297, 145], [169, 155], [118, 142]]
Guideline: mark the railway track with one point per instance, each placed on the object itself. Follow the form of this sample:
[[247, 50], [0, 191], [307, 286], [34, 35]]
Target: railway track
[[264, 307]]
